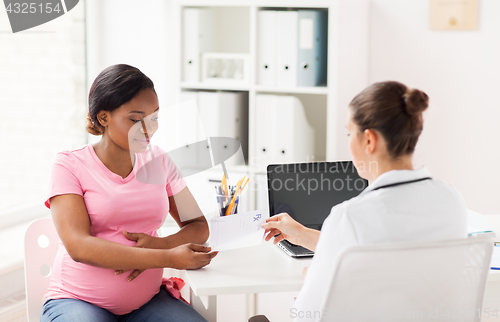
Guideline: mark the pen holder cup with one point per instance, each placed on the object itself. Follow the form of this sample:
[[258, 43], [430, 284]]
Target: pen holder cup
[[222, 204]]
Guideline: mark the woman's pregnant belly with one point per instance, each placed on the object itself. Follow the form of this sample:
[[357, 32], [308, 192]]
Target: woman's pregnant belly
[[100, 286]]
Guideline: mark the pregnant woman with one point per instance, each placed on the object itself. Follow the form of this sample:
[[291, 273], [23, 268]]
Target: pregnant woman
[[101, 209]]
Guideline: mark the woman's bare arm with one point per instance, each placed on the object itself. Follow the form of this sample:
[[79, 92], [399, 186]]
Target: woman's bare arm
[[72, 223], [187, 214]]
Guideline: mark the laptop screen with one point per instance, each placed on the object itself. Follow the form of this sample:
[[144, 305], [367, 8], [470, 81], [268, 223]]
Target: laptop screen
[[308, 191]]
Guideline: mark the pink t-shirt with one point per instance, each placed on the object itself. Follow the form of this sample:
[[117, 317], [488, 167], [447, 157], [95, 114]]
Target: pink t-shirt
[[114, 204]]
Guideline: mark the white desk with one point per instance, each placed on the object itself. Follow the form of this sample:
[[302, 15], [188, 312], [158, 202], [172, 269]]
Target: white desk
[[265, 268], [492, 292], [258, 269]]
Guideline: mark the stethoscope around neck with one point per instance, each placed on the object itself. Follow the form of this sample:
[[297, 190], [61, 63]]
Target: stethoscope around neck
[[401, 183]]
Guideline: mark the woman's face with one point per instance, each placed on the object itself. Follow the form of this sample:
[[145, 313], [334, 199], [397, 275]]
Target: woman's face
[[124, 127]]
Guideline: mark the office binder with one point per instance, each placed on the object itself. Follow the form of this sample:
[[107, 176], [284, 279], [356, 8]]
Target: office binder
[[312, 47], [294, 135], [189, 119], [286, 48], [264, 135], [284, 134], [197, 31], [225, 114], [266, 48], [189, 127]]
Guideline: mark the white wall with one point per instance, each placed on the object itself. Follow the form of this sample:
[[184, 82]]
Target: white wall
[[459, 70], [42, 103], [137, 33]]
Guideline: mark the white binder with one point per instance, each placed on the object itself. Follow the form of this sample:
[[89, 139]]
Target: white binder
[[286, 48], [196, 26], [189, 128], [189, 119], [312, 47], [284, 134], [265, 138], [225, 114], [266, 48], [294, 135], [222, 113]]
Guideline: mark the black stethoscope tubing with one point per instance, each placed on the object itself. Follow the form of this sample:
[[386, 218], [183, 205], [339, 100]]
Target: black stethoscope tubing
[[401, 183]]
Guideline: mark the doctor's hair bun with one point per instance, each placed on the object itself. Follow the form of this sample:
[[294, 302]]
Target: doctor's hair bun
[[416, 101], [393, 110], [113, 87]]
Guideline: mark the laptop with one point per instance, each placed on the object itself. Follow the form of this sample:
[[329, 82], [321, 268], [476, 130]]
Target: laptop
[[308, 191]]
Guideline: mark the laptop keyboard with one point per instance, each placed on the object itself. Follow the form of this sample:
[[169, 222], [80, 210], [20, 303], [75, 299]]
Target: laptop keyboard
[[290, 244]]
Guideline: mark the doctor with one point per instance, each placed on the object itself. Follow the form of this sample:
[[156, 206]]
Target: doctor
[[400, 204]]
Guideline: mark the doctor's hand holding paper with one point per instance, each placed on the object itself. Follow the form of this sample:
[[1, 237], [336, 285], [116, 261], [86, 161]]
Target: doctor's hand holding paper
[[285, 227]]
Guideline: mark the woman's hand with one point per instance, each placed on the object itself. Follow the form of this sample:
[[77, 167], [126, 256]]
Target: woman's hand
[[285, 227], [143, 241], [190, 256]]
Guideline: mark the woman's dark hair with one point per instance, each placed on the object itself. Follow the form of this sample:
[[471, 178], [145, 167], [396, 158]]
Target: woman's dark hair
[[395, 111], [113, 87]]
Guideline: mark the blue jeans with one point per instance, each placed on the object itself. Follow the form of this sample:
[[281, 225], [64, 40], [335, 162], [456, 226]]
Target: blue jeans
[[162, 307]]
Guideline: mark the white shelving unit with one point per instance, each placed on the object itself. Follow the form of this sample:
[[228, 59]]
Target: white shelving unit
[[347, 58], [325, 107], [235, 27]]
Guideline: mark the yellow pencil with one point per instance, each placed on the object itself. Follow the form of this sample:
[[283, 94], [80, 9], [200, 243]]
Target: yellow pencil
[[223, 184], [245, 184], [228, 211]]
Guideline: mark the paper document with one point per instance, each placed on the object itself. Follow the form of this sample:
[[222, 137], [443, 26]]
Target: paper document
[[477, 224], [236, 231], [495, 258]]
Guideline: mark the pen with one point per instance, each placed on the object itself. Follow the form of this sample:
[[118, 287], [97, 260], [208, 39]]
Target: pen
[[231, 205], [235, 205], [219, 199]]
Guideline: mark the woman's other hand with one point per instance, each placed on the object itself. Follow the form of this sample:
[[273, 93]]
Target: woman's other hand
[[143, 241], [191, 256], [285, 227]]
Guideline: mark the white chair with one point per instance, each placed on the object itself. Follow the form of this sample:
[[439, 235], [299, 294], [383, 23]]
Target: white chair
[[414, 281], [40, 248], [424, 281]]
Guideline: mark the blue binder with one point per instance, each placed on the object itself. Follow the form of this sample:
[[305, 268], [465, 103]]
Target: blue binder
[[312, 48]]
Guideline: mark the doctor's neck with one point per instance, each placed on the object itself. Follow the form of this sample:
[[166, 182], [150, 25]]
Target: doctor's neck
[[386, 164]]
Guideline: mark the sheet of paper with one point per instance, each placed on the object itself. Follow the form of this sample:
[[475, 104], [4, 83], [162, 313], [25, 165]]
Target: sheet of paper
[[236, 231], [495, 258], [478, 224]]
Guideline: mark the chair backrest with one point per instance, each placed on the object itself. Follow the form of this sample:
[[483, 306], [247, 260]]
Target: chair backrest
[[40, 248], [410, 281]]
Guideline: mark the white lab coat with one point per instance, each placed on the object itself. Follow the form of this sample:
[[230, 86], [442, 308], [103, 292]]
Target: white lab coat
[[420, 211]]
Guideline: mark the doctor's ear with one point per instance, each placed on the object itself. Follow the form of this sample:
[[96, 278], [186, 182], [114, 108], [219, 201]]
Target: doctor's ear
[[370, 138]]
